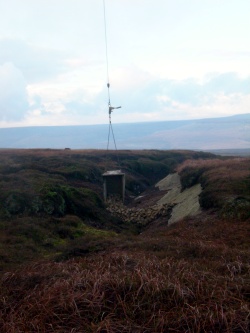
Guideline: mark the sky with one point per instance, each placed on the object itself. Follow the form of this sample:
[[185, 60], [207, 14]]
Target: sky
[[167, 60]]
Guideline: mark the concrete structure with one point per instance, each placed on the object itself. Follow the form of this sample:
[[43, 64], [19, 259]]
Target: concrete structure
[[114, 184]]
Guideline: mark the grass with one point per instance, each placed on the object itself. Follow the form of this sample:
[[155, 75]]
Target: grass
[[26, 239], [225, 182], [67, 266], [39, 187], [193, 276], [192, 285]]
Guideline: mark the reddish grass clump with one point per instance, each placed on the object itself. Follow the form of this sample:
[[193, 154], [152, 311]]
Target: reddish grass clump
[[193, 276], [225, 183], [233, 168], [124, 292]]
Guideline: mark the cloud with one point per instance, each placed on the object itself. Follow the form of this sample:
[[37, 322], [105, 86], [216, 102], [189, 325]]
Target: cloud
[[214, 96], [49, 83], [54, 57], [228, 83], [36, 63], [58, 89], [197, 93], [13, 94]]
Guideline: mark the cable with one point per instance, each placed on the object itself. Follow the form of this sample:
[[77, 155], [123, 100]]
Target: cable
[[110, 108], [106, 47], [111, 130]]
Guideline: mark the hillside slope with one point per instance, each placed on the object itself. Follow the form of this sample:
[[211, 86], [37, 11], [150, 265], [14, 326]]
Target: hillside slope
[[202, 134], [51, 199], [68, 265], [185, 203]]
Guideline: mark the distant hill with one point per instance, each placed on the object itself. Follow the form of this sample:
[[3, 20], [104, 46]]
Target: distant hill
[[203, 134]]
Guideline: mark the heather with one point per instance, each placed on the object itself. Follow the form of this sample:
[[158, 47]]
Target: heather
[[77, 268]]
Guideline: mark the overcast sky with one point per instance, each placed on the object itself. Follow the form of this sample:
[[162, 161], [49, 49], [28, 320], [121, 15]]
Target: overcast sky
[[168, 60]]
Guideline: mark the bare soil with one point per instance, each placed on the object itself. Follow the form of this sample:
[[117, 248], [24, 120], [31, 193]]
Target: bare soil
[[168, 192]]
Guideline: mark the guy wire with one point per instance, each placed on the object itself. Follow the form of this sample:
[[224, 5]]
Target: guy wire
[[108, 86], [106, 47]]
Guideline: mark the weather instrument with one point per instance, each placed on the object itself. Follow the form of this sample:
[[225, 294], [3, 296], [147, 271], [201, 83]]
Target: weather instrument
[[110, 107], [114, 180]]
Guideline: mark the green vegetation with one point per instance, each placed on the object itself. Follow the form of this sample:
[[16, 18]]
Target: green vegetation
[[67, 265], [39, 187], [191, 277]]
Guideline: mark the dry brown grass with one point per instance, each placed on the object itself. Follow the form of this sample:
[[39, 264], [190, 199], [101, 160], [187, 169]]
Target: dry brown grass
[[225, 182], [233, 168], [192, 277]]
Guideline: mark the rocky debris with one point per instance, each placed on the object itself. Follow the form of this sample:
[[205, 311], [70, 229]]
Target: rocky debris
[[166, 201], [142, 216]]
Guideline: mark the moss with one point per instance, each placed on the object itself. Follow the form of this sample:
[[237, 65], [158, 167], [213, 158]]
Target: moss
[[92, 241], [51, 202], [17, 202], [238, 208], [191, 176]]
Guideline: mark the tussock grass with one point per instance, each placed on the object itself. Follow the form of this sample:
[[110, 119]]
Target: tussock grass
[[226, 169], [193, 276], [196, 280], [225, 182]]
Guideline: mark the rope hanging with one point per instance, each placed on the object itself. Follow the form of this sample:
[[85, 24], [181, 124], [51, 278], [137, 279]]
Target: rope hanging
[[106, 45], [110, 108]]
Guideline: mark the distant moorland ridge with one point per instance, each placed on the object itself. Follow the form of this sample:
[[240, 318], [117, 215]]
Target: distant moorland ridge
[[202, 134]]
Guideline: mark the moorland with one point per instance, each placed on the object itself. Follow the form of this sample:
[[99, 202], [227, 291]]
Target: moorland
[[68, 264], [225, 133]]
